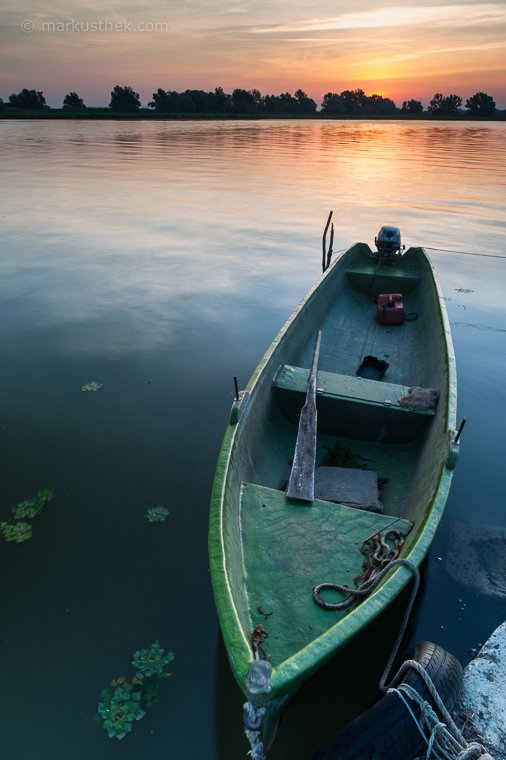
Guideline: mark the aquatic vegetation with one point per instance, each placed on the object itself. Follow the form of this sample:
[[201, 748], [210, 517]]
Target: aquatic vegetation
[[32, 507], [157, 514], [93, 386], [22, 531], [151, 661], [117, 710], [17, 532]]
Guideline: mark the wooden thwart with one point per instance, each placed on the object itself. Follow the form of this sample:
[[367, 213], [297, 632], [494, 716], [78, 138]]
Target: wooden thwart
[[301, 483]]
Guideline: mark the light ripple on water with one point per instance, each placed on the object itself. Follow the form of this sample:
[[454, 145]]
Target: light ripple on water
[[161, 259]]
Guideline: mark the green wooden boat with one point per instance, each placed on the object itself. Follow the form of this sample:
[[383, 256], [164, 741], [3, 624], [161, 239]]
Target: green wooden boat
[[268, 551]]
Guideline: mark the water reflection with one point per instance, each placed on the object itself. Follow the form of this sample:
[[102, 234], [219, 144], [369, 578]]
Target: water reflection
[[172, 253]]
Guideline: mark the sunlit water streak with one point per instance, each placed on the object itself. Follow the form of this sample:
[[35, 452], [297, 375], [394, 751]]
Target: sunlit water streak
[[173, 253]]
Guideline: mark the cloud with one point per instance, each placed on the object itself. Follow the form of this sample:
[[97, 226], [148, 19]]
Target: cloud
[[420, 53], [445, 15], [273, 45]]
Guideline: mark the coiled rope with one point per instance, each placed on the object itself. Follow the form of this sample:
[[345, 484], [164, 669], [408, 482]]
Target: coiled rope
[[444, 740], [380, 558]]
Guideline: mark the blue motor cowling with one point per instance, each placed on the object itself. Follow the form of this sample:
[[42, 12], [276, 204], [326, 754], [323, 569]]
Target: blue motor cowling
[[388, 242]]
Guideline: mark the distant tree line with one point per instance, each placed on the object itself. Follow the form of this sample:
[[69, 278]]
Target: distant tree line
[[346, 103], [240, 102], [356, 102]]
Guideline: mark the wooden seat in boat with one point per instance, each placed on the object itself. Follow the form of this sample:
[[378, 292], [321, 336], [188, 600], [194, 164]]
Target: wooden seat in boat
[[351, 406], [349, 387]]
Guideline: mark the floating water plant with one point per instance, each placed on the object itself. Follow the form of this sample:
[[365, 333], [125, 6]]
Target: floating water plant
[[22, 531], [157, 514], [151, 662], [17, 532], [118, 710], [93, 386], [32, 507]]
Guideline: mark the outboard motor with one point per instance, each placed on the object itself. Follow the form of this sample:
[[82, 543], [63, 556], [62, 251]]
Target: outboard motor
[[388, 243]]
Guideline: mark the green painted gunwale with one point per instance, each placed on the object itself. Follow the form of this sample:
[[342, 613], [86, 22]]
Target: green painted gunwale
[[227, 568]]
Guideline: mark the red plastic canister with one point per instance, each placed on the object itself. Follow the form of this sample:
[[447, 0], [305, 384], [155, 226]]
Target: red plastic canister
[[390, 309]]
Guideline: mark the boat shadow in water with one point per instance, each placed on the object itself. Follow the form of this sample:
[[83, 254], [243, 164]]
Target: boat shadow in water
[[330, 699]]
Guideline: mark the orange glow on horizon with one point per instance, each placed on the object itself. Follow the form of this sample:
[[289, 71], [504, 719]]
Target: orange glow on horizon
[[402, 53]]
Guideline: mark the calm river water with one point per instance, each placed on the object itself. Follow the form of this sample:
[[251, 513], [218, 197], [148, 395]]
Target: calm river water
[[160, 259]]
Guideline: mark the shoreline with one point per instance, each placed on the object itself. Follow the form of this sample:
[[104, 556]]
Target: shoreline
[[100, 114]]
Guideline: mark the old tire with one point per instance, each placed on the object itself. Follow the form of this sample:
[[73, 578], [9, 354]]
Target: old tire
[[387, 731]]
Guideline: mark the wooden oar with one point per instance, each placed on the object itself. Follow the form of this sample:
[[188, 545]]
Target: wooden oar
[[301, 483]]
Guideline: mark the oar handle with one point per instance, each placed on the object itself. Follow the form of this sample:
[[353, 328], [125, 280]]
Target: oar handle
[[311, 388]]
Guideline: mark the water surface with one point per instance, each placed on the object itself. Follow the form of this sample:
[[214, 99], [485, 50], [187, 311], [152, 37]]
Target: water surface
[[160, 259]]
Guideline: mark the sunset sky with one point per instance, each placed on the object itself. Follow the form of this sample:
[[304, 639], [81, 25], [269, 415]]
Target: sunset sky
[[398, 49]]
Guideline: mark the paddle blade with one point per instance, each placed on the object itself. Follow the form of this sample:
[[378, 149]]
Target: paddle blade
[[301, 483]]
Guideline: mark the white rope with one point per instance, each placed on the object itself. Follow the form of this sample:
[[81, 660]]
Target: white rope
[[445, 741], [466, 253], [257, 748], [255, 712], [399, 694]]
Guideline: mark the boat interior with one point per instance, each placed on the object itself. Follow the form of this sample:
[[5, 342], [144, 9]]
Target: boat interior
[[364, 432]]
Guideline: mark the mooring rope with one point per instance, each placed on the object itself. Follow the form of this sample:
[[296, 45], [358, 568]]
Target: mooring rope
[[447, 250], [466, 253], [255, 714], [445, 741]]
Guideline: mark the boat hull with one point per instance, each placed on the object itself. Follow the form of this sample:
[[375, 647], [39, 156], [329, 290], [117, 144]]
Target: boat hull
[[266, 551]]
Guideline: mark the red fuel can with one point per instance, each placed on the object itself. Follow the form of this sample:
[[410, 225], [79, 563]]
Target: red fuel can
[[390, 309]]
